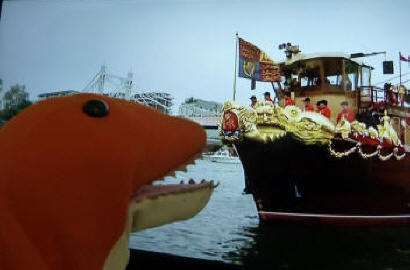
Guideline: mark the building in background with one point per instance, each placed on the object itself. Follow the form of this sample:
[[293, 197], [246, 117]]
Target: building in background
[[193, 107], [56, 94]]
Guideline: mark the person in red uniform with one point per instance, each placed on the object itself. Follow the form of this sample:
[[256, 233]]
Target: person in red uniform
[[267, 96], [323, 109], [288, 100], [347, 113], [254, 100], [308, 106]]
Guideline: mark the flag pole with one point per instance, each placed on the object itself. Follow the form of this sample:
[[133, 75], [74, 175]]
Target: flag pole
[[236, 66], [400, 68]]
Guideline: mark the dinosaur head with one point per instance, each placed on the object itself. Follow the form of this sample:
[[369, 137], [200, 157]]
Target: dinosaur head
[[75, 175]]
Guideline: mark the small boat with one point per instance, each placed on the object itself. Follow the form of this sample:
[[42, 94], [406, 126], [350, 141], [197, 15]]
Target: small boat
[[222, 156]]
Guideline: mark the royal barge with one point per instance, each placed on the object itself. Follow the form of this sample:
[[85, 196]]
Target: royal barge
[[302, 166]]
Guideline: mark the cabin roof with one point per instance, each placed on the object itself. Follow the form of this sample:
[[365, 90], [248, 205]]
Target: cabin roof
[[301, 57]]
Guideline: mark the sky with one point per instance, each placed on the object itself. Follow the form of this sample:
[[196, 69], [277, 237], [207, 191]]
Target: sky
[[185, 47]]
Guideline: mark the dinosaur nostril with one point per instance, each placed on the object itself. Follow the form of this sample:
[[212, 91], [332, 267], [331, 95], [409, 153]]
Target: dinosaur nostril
[[96, 108]]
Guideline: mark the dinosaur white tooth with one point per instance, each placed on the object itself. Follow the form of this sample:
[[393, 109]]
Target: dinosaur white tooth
[[191, 181], [213, 185]]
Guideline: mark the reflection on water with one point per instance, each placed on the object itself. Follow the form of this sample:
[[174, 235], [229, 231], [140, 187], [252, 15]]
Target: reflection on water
[[313, 247], [218, 229], [228, 230]]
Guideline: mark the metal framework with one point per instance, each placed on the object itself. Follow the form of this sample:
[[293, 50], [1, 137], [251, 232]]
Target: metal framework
[[122, 87]]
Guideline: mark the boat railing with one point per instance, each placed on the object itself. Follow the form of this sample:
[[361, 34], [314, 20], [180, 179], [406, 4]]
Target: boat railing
[[371, 95]]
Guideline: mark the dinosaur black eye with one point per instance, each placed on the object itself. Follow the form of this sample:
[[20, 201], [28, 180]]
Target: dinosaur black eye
[[96, 108]]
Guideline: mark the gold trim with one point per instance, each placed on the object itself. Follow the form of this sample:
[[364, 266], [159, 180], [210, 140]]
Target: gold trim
[[268, 122]]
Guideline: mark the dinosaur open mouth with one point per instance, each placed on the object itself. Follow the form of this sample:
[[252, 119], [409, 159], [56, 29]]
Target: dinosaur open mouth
[[152, 191], [156, 204]]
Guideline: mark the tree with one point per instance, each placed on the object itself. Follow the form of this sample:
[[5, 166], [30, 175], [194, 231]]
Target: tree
[[14, 100]]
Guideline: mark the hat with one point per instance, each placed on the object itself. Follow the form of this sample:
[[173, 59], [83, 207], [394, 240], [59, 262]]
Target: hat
[[267, 94], [253, 97], [306, 99], [345, 103]]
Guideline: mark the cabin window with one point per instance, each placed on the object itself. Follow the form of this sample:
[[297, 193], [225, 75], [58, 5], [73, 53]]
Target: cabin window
[[333, 73], [334, 81], [351, 74], [310, 76]]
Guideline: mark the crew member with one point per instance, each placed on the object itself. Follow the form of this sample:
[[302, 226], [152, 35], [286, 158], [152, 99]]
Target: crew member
[[267, 96], [254, 100], [402, 91], [318, 106], [288, 100], [308, 106], [323, 109], [347, 113]]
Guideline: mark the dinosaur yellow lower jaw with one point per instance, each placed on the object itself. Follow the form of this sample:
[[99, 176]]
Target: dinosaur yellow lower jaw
[[156, 205], [161, 204]]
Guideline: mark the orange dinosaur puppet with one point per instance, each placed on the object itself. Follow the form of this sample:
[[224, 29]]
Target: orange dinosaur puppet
[[73, 180]]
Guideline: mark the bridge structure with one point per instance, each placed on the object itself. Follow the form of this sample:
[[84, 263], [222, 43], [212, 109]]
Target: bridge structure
[[112, 85], [115, 86]]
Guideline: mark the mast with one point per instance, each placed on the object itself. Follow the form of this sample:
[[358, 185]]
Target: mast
[[236, 66], [400, 68]]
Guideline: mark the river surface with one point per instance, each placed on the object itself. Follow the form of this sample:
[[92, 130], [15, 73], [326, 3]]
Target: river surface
[[228, 230]]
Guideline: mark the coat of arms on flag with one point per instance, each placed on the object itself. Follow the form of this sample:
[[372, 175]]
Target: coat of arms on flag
[[255, 64]]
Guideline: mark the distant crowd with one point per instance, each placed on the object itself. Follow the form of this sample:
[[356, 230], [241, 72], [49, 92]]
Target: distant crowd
[[321, 106]]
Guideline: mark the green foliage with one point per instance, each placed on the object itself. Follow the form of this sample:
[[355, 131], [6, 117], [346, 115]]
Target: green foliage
[[14, 100]]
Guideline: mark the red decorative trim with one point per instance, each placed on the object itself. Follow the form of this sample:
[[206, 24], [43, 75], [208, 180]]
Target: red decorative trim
[[338, 220]]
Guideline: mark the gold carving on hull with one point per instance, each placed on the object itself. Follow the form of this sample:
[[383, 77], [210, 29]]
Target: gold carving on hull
[[267, 123]]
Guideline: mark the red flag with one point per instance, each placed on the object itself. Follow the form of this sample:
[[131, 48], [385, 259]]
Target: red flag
[[402, 58]]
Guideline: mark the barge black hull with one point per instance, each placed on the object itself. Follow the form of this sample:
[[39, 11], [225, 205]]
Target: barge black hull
[[292, 181]]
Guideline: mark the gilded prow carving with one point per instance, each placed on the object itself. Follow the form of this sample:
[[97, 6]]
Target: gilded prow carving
[[267, 122]]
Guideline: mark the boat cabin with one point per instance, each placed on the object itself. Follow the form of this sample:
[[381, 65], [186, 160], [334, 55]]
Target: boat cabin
[[336, 77], [333, 77]]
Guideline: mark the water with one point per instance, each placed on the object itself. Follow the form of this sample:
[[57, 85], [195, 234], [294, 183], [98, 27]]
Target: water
[[228, 230]]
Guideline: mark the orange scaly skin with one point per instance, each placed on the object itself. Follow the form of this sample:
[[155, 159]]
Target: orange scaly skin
[[66, 178]]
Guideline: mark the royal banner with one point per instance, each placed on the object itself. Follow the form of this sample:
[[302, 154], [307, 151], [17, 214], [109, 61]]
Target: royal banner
[[255, 64]]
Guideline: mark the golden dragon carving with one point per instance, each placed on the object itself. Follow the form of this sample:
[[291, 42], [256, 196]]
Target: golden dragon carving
[[268, 122]]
